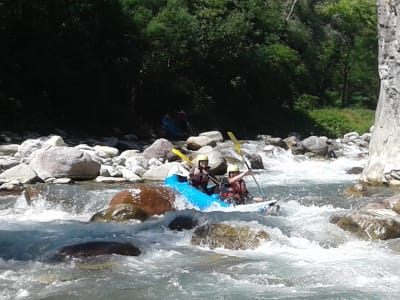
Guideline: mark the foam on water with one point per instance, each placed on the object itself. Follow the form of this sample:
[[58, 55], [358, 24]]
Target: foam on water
[[307, 257], [289, 170]]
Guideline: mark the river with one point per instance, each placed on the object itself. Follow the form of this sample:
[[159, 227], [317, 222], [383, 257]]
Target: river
[[306, 258]]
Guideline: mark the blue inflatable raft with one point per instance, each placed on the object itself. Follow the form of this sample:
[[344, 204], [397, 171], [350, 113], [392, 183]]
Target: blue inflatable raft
[[204, 201], [194, 196]]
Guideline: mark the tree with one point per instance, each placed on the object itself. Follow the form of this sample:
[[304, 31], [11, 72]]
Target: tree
[[353, 33]]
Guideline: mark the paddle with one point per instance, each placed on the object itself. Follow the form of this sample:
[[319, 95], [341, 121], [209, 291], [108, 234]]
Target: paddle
[[239, 151], [185, 158]]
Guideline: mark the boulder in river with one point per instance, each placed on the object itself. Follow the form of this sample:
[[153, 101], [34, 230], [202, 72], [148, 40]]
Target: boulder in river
[[228, 236], [154, 200], [120, 213], [97, 248]]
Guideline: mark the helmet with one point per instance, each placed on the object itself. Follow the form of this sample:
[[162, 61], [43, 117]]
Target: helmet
[[233, 168], [202, 157]]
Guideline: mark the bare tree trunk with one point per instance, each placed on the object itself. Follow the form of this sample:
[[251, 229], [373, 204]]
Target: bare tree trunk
[[291, 10], [384, 151]]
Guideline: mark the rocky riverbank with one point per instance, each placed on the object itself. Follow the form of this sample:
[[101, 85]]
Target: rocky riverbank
[[55, 159]]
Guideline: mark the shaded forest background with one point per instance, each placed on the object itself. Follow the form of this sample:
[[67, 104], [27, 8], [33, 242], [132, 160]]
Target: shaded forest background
[[251, 66]]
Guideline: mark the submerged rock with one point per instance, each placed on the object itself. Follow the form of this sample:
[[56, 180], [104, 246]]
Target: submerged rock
[[228, 236], [183, 222], [120, 213], [97, 248], [357, 190], [355, 170]]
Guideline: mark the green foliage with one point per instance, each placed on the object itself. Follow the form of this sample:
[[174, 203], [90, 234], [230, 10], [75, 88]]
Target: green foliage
[[352, 33], [77, 63], [336, 122], [306, 102]]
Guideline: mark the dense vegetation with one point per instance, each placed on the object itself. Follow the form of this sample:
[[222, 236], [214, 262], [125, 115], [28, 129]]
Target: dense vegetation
[[245, 65]]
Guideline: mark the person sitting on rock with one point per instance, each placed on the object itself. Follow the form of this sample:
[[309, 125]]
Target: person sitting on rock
[[176, 125]]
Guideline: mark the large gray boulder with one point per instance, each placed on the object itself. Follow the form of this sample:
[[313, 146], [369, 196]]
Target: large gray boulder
[[215, 136], [31, 145], [22, 172], [384, 150], [196, 142], [371, 224], [376, 220], [9, 149], [315, 145], [161, 148], [159, 173], [66, 162]]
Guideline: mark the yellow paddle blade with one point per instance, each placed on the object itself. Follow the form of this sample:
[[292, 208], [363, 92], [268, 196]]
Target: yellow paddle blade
[[235, 142], [181, 155]]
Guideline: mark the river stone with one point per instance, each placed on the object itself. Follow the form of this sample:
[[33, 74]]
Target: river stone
[[154, 200], [21, 172], [355, 170], [196, 142], [380, 224], [66, 162], [159, 173], [393, 203], [215, 136], [106, 151], [256, 162], [11, 186], [183, 222], [120, 213], [9, 149], [315, 145], [161, 148], [7, 163], [275, 141], [97, 248], [228, 237], [357, 190]]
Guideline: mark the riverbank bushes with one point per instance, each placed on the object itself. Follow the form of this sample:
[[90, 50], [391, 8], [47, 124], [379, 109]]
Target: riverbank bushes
[[96, 65], [337, 122]]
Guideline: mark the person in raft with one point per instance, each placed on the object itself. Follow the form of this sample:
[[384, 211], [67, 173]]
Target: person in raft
[[233, 188], [199, 176]]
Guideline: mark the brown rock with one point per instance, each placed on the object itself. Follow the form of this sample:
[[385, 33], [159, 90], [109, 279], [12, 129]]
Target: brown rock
[[120, 213], [154, 200]]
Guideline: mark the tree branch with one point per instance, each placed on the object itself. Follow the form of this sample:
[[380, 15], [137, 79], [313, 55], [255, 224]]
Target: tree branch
[[291, 10]]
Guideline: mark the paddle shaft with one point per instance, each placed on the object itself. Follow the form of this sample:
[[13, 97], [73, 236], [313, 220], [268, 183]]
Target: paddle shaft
[[239, 151]]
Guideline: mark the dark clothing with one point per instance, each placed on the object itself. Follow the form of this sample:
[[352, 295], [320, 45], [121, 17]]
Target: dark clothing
[[176, 125]]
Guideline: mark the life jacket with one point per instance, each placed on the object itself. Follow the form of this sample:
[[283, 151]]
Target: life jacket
[[200, 180], [236, 191]]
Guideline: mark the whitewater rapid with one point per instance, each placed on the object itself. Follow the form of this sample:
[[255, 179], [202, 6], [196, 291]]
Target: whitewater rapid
[[307, 257]]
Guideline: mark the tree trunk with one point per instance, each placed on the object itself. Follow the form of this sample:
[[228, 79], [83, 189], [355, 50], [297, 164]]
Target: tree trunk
[[384, 150]]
